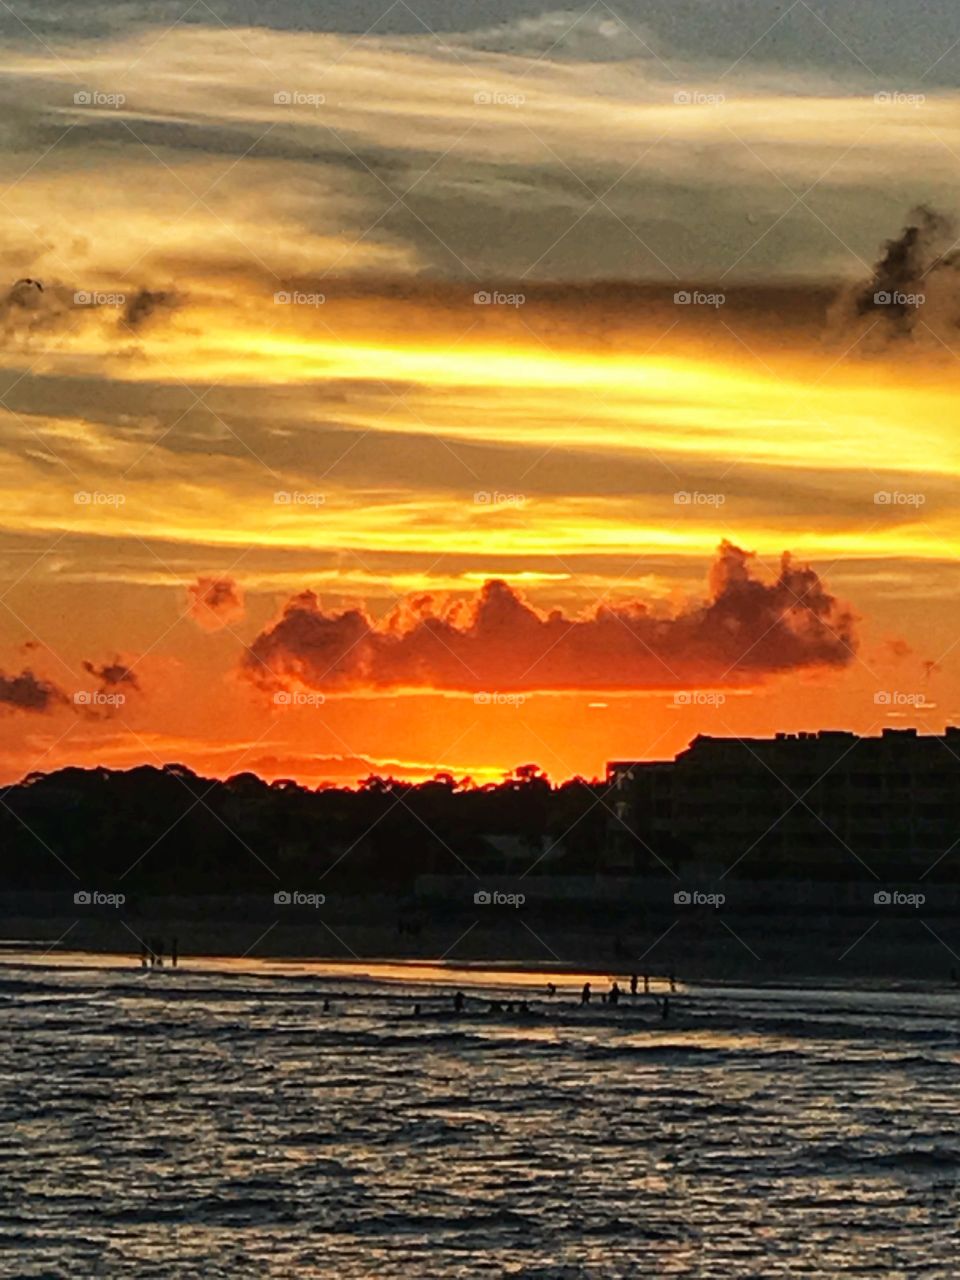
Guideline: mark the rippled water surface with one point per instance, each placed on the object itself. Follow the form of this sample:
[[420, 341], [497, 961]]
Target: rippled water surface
[[219, 1123]]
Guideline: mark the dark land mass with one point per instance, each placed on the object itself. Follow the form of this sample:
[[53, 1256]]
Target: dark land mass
[[524, 871]]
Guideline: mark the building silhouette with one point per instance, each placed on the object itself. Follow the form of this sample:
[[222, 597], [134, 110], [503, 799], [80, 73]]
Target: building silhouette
[[790, 802]]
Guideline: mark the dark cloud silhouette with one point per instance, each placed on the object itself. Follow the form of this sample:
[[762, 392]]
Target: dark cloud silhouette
[[914, 290], [57, 310], [27, 308], [215, 601], [113, 675], [116, 680], [27, 692], [748, 629], [143, 304]]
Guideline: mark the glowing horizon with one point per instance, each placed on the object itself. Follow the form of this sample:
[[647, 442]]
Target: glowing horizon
[[312, 335]]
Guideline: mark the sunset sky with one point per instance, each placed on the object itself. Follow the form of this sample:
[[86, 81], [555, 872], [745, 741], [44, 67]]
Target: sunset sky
[[454, 385]]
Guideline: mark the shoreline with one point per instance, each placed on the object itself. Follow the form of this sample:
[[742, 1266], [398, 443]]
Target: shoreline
[[730, 949], [394, 971]]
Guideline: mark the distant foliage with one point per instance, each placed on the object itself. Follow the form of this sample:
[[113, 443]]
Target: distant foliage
[[171, 831]]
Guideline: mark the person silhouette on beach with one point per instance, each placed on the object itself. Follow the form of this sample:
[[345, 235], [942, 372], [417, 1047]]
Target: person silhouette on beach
[[585, 994], [614, 995], [633, 985], [458, 1002], [551, 989]]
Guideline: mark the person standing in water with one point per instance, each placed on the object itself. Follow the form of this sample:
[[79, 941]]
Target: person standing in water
[[614, 996], [585, 994], [458, 1002], [633, 984]]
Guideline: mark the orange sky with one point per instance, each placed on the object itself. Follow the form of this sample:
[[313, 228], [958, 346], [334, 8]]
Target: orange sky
[[279, 350]]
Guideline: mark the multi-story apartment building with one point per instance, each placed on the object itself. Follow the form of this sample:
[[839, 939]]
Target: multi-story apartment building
[[796, 798]]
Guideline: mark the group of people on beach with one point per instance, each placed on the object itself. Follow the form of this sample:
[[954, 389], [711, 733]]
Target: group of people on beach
[[152, 953], [611, 997]]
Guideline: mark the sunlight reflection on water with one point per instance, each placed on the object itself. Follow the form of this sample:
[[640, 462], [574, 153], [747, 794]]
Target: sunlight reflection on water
[[219, 1123]]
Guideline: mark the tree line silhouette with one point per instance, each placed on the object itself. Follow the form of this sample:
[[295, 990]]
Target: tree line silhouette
[[170, 830]]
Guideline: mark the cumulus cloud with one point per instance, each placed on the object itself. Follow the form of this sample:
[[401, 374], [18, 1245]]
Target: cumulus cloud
[[27, 692], [746, 630], [214, 602]]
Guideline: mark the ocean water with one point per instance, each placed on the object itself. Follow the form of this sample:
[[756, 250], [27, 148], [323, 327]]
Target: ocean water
[[217, 1122]]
